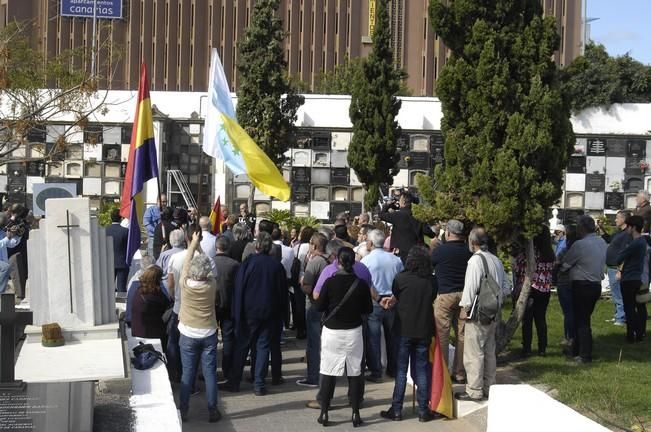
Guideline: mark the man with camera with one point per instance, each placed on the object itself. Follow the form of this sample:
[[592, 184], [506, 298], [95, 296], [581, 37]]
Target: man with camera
[[407, 231], [9, 238]]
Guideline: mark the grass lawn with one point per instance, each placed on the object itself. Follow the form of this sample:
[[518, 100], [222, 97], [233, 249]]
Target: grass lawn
[[615, 388]]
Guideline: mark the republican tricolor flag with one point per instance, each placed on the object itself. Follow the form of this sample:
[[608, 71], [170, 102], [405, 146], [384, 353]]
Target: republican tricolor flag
[[141, 167], [441, 386]]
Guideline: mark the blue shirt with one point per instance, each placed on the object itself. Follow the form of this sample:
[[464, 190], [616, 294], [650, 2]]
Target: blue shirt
[[561, 246], [384, 267], [150, 219], [7, 243]]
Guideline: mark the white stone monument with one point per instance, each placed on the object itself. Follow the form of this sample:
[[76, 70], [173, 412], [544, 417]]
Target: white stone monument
[[71, 283], [72, 260], [554, 221]]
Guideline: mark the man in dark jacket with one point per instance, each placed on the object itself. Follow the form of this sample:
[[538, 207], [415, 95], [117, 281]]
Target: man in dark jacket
[[407, 231], [120, 236], [259, 305], [616, 244], [643, 208], [227, 269]]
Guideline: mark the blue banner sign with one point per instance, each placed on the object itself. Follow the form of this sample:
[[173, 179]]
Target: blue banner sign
[[111, 9]]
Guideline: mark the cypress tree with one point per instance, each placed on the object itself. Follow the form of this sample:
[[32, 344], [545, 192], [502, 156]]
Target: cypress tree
[[266, 101], [506, 125], [373, 109]]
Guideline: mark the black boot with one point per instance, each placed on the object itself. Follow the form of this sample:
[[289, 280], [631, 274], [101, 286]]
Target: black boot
[[357, 420], [323, 418]]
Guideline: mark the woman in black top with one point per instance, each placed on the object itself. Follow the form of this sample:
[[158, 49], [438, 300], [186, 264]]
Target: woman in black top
[[413, 293], [149, 305], [342, 344]]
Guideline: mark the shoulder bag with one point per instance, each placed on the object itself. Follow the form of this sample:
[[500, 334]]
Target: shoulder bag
[[341, 303]]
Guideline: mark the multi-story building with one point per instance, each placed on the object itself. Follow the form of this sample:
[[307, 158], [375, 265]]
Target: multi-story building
[[174, 37], [608, 167]]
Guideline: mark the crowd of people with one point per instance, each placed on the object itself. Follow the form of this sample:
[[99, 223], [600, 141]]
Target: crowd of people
[[344, 289], [351, 289]]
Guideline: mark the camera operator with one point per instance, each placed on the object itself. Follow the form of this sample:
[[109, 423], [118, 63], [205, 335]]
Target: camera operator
[[407, 231], [8, 239]]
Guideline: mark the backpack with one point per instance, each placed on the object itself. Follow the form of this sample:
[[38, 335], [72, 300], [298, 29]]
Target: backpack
[[146, 356], [488, 297]]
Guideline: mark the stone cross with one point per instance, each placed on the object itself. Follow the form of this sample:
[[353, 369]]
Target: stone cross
[[67, 226], [9, 319]]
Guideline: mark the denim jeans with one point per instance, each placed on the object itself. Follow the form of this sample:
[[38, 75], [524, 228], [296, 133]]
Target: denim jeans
[[173, 351], [192, 350], [228, 339], [416, 350], [254, 335], [378, 319], [4, 276], [616, 294], [565, 299], [313, 350]]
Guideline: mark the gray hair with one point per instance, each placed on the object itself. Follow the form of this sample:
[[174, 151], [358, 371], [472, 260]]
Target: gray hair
[[644, 193], [263, 243], [240, 232], [478, 237], [333, 246], [204, 223], [377, 238], [222, 243], [147, 261], [177, 237], [454, 227], [327, 232], [200, 268]]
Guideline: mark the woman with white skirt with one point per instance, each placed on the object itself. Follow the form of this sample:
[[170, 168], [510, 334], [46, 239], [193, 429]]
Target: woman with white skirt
[[344, 298]]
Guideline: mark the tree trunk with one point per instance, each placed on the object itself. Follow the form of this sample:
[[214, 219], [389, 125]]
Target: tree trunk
[[250, 201], [507, 330]]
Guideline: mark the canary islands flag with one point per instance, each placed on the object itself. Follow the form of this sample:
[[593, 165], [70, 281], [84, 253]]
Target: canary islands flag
[[224, 138], [216, 217], [142, 165]]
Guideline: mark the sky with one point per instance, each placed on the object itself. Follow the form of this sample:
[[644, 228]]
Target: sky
[[622, 26]]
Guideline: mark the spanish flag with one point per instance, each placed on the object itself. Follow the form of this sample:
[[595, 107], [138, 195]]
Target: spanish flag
[[216, 217], [224, 138], [441, 387], [141, 167]]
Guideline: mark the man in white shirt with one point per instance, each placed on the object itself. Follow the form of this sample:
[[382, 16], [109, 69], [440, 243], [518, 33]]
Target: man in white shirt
[[207, 238], [479, 357]]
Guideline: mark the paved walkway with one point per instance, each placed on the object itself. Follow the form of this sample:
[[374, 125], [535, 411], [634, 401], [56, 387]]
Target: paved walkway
[[283, 409]]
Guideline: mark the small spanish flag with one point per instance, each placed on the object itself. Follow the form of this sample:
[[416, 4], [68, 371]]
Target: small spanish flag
[[441, 386], [216, 218]]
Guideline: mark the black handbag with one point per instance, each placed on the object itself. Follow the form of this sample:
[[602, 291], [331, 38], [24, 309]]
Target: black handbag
[[145, 356]]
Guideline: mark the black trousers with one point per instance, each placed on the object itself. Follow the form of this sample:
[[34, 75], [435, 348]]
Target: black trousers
[[121, 276], [298, 310], [636, 313], [536, 311], [327, 390], [584, 298]]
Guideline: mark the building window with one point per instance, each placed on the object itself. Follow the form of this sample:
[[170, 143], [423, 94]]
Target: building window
[[436, 68], [336, 22], [347, 35], [300, 61], [289, 21], [300, 21], [425, 28], [323, 60], [423, 66], [311, 61], [325, 22], [562, 38], [247, 17], [336, 59]]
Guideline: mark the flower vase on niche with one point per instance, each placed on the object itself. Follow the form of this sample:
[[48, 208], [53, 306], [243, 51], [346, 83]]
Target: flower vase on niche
[[644, 165]]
